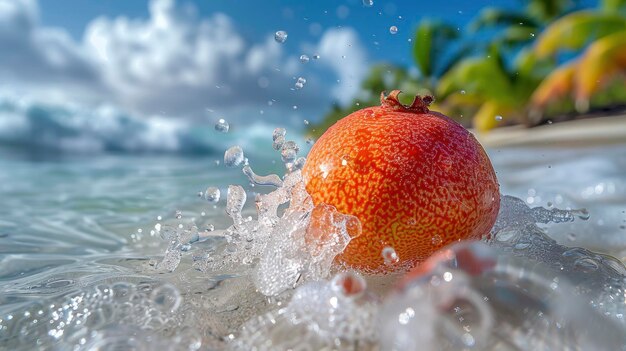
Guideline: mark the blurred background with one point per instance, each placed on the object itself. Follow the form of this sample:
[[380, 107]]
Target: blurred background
[[115, 115], [155, 76]]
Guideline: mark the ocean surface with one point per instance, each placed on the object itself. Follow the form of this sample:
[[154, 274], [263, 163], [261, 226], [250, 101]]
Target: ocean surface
[[79, 224]]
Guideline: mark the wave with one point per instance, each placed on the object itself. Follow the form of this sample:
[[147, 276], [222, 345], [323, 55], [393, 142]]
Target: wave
[[72, 129]]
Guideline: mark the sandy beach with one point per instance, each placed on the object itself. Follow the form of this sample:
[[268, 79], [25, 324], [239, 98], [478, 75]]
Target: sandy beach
[[577, 133]]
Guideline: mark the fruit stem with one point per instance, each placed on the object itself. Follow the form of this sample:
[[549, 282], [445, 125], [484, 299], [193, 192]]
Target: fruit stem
[[420, 103]]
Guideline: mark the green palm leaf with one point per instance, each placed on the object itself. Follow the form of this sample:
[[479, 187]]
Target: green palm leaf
[[485, 77], [547, 10], [576, 30], [614, 6], [603, 60], [491, 17], [431, 40], [514, 36]]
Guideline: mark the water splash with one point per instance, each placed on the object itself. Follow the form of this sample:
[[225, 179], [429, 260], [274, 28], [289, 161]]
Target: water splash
[[103, 316], [283, 251], [469, 288], [319, 316], [271, 179], [515, 288], [592, 275]]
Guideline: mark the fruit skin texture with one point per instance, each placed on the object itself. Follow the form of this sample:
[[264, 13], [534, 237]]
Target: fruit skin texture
[[417, 181]]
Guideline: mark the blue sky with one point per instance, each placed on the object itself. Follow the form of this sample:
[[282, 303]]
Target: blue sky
[[254, 19], [197, 60]]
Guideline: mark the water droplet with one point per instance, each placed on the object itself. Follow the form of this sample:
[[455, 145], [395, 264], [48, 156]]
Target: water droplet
[[272, 179], [291, 145], [521, 246], [368, 3], [288, 155], [498, 118], [230, 308], [462, 92], [280, 36], [586, 265], [166, 298], [179, 214], [235, 201], [298, 163], [304, 58], [233, 156], [393, 29], [389, 255], [349, 284], [300, 83], [468, 340], [316, 57], [306, 122], [222, 126], [571, 237], [278, 132], [582, 214], [436, 240], [212, 194], [405, 317], [278, 143]]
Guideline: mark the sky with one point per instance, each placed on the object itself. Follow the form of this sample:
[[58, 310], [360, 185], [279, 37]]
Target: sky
[[204, 59]]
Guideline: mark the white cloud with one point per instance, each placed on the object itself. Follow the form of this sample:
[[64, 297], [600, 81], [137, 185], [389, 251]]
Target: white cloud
[[342, 51], [174, 63], [38, 55]]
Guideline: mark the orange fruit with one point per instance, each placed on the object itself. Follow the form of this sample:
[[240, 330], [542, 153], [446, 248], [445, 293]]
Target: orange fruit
[[416, 179]]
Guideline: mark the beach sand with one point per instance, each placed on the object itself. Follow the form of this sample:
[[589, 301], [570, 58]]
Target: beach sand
[[577, 133]]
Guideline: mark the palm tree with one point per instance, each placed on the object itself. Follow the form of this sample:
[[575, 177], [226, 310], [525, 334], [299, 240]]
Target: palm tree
[[496, 91], [518, 28], [599, 39], [432, 41], [495, 85], [487, 88]]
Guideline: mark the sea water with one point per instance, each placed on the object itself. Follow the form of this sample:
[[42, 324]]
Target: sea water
[[120, 252]]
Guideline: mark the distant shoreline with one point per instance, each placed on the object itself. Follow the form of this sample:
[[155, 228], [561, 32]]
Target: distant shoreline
[[581, 132]]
